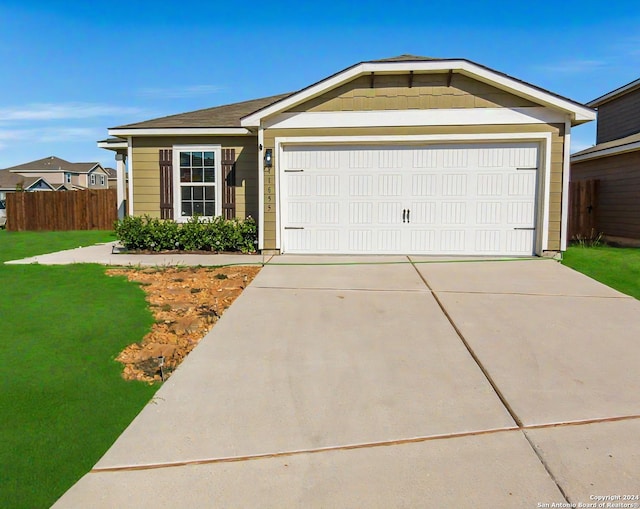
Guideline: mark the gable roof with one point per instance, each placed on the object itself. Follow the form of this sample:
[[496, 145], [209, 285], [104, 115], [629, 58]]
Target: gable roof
[[9, 181], [52, 164], [111, 173], [410, 63], [237, 118], [614, 94]]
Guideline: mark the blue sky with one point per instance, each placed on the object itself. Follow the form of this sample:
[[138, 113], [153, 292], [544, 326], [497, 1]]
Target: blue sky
[[70, 70]]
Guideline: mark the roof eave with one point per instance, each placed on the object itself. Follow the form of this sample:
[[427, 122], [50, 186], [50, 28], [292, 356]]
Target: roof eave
[[577, 112], [128, 132], [622, 149]]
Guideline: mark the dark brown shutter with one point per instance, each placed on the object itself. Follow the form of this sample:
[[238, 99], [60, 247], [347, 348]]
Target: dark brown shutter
[[228, 183], [166, 183]]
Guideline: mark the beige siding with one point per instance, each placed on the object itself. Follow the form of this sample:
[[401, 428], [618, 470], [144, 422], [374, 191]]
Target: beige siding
[[557, 155], [146, 177], [428, 91]]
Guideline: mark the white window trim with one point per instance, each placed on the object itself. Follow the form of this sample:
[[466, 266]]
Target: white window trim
[[217, 149], [102, 180], [92, 179], [67, 177], [544, 178]]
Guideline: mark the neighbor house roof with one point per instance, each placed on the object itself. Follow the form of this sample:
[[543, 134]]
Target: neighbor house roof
[[111, 173], [621, 145], [10, 181], [53, 163], [624, 89]]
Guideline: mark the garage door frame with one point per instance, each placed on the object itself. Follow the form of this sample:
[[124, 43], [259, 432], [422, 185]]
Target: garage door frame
[[543, 138]]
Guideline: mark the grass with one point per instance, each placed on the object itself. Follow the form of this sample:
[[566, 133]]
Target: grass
[[62, 397], [616, 267]]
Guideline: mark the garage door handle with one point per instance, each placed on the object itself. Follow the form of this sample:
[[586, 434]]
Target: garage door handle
[[408, 219], [404, 215], [294, 227], [531, 229]]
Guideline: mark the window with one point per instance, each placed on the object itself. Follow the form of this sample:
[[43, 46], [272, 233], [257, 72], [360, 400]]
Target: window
[[93, 179], [197, 187], [102, 180], [67, 178]]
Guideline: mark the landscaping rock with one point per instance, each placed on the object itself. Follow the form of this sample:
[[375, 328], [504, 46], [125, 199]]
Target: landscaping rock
[[186, 303]]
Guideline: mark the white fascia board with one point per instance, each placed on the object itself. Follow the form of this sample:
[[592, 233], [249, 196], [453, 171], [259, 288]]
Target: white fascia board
[[404, 118], [630, 147], [120, 145], [578, 113], [181, 131]]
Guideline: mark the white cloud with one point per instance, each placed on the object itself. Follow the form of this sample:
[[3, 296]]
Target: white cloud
[[180, 92], [51, 111]]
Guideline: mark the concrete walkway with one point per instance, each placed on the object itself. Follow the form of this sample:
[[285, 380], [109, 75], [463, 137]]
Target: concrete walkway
[[393, 383]]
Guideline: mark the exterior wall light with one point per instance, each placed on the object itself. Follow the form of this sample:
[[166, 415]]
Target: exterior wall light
[[268, 158]]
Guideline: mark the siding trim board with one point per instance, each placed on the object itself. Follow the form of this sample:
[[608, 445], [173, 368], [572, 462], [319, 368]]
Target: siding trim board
[[417, 117]]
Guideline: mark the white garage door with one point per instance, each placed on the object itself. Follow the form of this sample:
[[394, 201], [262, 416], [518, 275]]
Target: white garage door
[[436, 199]]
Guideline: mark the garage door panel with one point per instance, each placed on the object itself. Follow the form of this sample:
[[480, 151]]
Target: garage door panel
[[461, 199], [390, 185], [389, 241], [327, 213], [360, 241], [489, 241], [490, 212], [327, 240], [452, 241], [423, 212], [489, 184], [360, 185], [390, 212], [423, 241], [300, 212], [360, 213], [454, 184], [424, 184], [520, 213], [327, 185], [522, 183]]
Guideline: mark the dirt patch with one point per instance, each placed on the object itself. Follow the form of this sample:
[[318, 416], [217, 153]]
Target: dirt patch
[[186, 304]]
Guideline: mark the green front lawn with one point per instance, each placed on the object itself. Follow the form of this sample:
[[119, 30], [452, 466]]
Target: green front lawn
[[617, 267], [62, 398]]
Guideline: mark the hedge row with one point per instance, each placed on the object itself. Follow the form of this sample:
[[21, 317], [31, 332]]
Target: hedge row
[[197, 234]]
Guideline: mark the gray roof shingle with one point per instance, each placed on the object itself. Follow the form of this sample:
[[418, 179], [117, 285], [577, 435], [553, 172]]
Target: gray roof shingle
[[228, 115]]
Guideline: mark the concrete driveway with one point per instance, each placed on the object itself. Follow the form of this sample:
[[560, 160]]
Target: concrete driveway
[[390, 382]]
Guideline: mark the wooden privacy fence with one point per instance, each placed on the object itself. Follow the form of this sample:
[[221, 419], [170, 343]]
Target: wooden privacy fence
[[62, 210], [583, 208]]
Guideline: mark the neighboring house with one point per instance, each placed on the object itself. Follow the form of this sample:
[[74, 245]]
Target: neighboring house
[[112, 180], [61, 174], [11, 182], [409, 155], [615, 162]]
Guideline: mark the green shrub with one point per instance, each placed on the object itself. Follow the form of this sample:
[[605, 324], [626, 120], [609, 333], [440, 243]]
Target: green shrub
[[197, 234]]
